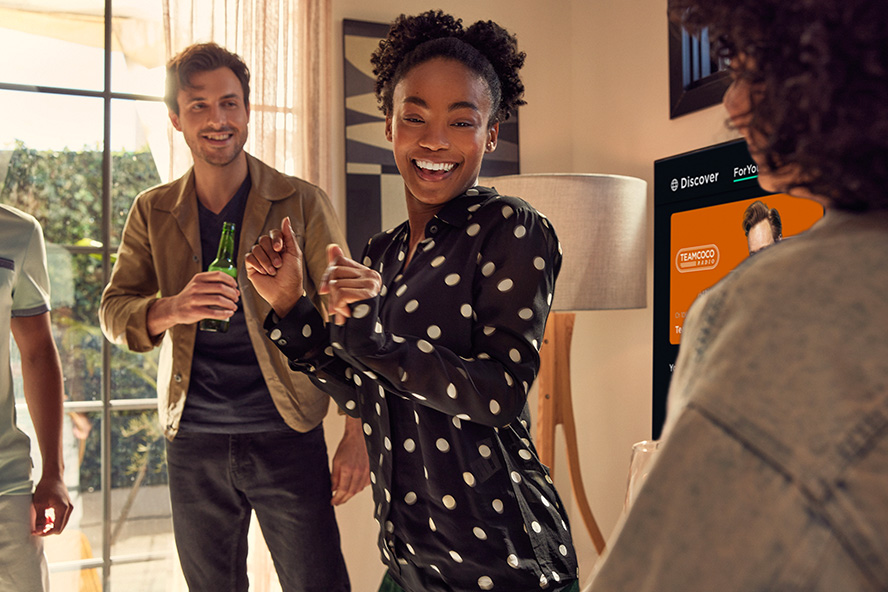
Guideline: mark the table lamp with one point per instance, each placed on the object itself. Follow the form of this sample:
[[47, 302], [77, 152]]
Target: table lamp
[[601, 221]]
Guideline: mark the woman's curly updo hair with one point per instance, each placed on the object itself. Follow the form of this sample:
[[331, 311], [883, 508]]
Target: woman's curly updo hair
[[822, 70], [485, 48]]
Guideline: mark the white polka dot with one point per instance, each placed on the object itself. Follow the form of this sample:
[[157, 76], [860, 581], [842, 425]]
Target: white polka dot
[[516, 476], [494, 407], [438, 261], [367, 262], [472, 191], [350, 405], [509, 379], [435, 567], [429, 245], [367, 429], [473, 229], [400, 291], [416, 415], [410, 548], [401, 256], [410, 498], [383, 291], [443, 445], [488, 331], [449, 502], [497, 506], [434, 331], [275, 334], [507, 211], [387, 443], [484, 451], [337, 345], [424, 346], [512, 560], [456, 557], [488, 269], [328, 351], [466, 311], [377, 327], [549, 299], [398, 339], [373, 478], [409, 445], [520, 231], [539, 263], [389, 526], [452, 279], [556, 577], [474, 207], [457, 423], [479, 534], [515, 355], [544, 581], [435, 528], [402, 374], [411, 306], [388, 495], [505, 285], [469, 479], [485, 583], [525, 314], [357, 379], [545, 501], [451, 390], [380, 390], [525, 454], [306, 331], [464, 416], [536, 527], [563, 550], [361, 311]]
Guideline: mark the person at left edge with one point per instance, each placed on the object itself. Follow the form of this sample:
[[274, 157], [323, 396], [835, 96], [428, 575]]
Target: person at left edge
[[244, 432]]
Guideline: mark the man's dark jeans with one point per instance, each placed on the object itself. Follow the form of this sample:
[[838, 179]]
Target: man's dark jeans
[[215, 482]]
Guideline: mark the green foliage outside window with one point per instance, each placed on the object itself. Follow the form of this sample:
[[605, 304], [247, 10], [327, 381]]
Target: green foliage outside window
[[63, 190]]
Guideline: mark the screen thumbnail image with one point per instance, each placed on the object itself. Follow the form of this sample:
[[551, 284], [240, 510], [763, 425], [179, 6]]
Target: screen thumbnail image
[[707, 243]]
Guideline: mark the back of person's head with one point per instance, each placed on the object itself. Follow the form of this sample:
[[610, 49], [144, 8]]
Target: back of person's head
[[202, 57], [758, 212], [819, 69], [485, 48]]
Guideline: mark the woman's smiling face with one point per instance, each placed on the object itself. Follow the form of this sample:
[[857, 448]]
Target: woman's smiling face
[[439, 129]]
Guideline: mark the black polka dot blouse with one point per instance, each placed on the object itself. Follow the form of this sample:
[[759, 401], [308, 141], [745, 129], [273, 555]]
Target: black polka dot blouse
[[438, 368]]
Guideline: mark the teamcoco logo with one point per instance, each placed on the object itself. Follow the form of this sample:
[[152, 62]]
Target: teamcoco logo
[[697, 258], [686, 182]]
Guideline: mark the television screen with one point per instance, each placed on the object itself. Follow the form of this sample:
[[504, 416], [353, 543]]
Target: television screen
[[700, 203]]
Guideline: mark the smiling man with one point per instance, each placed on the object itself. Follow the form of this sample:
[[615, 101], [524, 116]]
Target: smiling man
[[244, 432]]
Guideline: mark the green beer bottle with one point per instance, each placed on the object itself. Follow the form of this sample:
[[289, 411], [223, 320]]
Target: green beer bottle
[[223, 263]]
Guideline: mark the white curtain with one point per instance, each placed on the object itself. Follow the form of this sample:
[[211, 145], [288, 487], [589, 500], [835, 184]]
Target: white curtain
[[286, 45]]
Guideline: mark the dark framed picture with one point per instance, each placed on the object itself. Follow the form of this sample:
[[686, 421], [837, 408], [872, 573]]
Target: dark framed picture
[[374, 192], [696, 80]]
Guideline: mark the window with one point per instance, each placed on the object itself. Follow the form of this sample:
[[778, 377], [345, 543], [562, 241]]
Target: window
[[85, 131]]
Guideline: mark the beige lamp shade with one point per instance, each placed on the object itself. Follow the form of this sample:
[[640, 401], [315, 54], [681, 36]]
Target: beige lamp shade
[[601, 221]]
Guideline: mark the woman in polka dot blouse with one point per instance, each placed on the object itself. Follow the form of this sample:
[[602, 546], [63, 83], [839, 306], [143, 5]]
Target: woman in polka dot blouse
[[436, 331]]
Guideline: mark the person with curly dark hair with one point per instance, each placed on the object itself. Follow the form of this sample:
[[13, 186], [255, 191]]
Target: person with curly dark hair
[[773, 470], [436, 333]]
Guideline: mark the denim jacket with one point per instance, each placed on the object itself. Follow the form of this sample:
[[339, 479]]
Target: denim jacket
[[773, 472]]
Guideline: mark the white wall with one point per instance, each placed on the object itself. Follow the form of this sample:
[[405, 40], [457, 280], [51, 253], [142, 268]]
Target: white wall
[[598, 102]]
